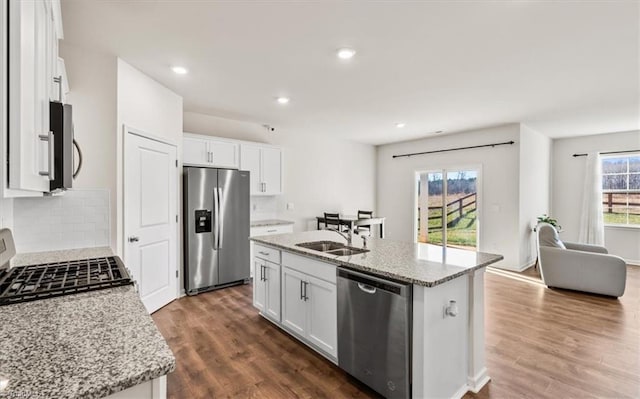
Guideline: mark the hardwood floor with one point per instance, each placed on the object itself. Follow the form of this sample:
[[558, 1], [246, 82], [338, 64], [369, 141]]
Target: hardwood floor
[[540, 343]]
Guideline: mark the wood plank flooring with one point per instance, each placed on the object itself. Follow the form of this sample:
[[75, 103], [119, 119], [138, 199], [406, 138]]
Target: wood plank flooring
[[540, 343]]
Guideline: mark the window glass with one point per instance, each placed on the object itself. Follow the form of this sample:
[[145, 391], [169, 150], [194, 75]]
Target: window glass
[[621, 190]]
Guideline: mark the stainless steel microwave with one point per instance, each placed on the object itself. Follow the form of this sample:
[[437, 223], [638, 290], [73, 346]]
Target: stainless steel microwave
[[61, 125]]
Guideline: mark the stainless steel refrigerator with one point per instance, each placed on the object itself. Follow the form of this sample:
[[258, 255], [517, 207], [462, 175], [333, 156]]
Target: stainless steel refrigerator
[[216, 228]]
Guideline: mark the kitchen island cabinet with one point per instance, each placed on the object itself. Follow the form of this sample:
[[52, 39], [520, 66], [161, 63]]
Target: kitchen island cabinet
[[447, 303]]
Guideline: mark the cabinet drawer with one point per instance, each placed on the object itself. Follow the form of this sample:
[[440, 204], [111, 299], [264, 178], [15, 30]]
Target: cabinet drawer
[[266, 253], [321, 270], [268, 230]]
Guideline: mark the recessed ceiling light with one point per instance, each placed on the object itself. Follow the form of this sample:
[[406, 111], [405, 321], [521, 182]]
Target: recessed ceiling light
[[283, 100], [346, 53], [400, 125], [179, 70]]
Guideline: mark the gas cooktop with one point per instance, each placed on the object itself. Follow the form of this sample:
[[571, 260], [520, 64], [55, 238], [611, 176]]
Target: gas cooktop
[[30, 283]]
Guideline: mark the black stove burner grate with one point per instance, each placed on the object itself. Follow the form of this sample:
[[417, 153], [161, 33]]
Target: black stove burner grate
[[30, 283]]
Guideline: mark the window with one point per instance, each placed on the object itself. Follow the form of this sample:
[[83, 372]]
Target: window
[[621, 189]]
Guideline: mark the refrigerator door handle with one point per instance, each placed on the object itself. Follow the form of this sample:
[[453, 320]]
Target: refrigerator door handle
[[216, 214], [221, 217]]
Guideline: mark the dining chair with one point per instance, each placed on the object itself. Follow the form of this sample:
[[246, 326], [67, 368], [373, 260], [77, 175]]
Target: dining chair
[[332, 221], [364, 230]]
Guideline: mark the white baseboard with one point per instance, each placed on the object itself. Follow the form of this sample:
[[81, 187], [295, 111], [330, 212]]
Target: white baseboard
[[460, 392], [476, 383], [632, 262], [517, 268]]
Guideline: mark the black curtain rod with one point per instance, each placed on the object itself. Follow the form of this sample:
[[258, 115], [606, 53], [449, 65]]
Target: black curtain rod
[[606, 153], [454, 149]]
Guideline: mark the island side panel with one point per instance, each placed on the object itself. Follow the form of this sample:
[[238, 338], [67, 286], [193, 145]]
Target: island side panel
[[478, 376], [440, 342]]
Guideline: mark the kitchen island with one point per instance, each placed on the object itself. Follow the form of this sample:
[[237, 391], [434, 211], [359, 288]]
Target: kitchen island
[[87, 345], [447, 342]]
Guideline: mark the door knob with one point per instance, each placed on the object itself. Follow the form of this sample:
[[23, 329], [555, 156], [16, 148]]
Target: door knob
[[134, 239]]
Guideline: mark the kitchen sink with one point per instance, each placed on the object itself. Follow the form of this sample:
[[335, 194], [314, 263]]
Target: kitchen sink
[[322, 246], [347, 251], [332, 247]]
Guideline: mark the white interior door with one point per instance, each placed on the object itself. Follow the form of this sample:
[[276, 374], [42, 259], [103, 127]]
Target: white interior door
[[150, 195]]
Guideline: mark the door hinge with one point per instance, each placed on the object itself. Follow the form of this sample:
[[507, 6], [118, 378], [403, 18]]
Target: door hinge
[[176, 163], [176, 218], [176, 274]]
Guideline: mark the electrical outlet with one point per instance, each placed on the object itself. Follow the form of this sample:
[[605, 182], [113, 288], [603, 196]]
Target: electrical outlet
[[289, 206]]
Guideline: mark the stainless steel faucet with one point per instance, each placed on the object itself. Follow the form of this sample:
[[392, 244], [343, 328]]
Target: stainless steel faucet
[[347, 237]]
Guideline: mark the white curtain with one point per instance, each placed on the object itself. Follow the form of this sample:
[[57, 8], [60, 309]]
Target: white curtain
[[591, 219]]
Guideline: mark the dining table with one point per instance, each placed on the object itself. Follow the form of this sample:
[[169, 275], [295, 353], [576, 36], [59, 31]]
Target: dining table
[[352, 221]]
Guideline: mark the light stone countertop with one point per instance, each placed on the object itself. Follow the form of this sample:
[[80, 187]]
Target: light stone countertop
[[87, 345], [270, 222], [421, 264]]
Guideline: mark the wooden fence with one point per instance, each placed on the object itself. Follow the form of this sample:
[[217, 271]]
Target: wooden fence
[[459, 208], [609, 202]]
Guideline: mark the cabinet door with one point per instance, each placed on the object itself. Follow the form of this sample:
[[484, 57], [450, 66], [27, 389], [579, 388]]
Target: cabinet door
[[259, 287], [250, 160], [272, 170], [294, 307], [195, 152], [322, 327], [29, 89], [272, 303], [224, 154]]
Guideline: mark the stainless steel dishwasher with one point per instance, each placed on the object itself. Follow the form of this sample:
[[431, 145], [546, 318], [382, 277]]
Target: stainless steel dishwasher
[[374, 332]]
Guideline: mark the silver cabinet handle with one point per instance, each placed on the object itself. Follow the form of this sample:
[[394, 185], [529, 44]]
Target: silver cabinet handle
[[306, 298], [134, 239], [271, 231], [58, 80], [263, 253], [301, 290], [51, 161]]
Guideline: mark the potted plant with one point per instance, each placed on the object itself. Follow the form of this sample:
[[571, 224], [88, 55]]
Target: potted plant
[[548, 219]]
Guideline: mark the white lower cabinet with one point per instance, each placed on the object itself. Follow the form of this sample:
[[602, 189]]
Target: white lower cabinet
[[154, 389], [305, 291], [294, 307], [266, 288], [309, 302]]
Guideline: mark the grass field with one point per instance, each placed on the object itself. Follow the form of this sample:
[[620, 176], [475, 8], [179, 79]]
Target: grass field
[[621, 218], [462, 233]]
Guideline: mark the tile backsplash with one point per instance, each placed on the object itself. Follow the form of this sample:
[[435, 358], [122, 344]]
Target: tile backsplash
[[76, 219]]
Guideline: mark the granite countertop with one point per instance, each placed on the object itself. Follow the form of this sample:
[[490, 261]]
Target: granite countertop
[[270, 222], [421, 264], [87, 345]]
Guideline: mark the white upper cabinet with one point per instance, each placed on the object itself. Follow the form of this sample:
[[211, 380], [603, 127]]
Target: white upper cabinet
[[34, 31], [272, 170], [211, 152], [265, 166]]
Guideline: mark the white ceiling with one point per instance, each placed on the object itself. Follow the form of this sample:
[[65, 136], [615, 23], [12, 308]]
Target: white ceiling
[[563, 67]]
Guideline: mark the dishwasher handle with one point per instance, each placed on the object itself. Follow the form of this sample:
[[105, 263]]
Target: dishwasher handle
[[372, 284], [367, 288]]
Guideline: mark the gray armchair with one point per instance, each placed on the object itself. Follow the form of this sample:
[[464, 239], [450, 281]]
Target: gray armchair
[[579, 267]]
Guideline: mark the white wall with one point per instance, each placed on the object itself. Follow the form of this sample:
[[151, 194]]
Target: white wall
[[92, 82], [149, 107], [319, 174], [6, 213], [77, 219], [535, 181], [568, 176], [499, 187]]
